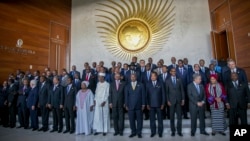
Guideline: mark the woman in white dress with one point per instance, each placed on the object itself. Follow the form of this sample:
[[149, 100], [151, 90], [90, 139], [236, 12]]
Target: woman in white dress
[[84, 107]]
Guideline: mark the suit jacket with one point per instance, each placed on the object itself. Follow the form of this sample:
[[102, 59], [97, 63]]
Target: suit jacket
[[153, 66], [43, 94], [70, 96], [32, 99], [241, 76], [145, 79], [128, 74], [203, 78], [72, 73], [238, 96], [171, 66], [161, 79], [92, 81], [184, 77], [3, 96], [117, 97], [206, 69], [135, 99], [189, 69], [155, 94], [12, 94], [22, 96], [64, 80], [56, 97], [175, 93], [77, 84], [194, 96]]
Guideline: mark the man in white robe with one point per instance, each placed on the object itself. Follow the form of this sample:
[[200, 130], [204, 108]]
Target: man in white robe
[[101, 123], [84, 106]]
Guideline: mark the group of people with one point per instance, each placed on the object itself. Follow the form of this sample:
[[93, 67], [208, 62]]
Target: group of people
[[152, 91]]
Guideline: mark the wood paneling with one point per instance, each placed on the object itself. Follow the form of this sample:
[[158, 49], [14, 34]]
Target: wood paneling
[[235, 15], [30, 21]]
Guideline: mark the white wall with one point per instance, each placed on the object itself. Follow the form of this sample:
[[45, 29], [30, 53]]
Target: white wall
[[190, 37]]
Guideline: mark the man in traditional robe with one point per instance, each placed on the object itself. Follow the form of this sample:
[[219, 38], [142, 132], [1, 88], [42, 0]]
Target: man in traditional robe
[[101, 114]]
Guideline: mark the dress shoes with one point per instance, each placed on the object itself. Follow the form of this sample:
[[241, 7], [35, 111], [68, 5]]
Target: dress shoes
[[152, 135], [132, 135], [139, 136], [66, 131], [205, 133], [173, 134], [180, 134]]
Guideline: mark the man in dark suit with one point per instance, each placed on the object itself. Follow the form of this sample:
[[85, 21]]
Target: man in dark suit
[[238, 99], [3, 104], [116, 103], [125, 71], [32, 102], [134, 61], [197, 99], [12, 101], [162, 78], [56, 99], [141, 70], [182, 74], [175, 100], [197, 70], [188, 67], [23, 111], [132, 70], [212, 71], [91, 78], [73, 72], [135, 101], [69, 103], [203, 68], [156, 99], [77, 82], [152, 65], [233, 68], [146, 78], [43, 96], [173, 65]]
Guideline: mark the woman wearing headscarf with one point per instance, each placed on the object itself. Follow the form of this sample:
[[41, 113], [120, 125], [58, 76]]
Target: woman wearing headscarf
[[84, 107], [216, 97]]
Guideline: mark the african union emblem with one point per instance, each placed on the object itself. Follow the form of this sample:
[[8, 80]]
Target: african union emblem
[[135, 27]]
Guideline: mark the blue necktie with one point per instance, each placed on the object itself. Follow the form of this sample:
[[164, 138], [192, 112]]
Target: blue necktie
[[68, 89], [198, 88]]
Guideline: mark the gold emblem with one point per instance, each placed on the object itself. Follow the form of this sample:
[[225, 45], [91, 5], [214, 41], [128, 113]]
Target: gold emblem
[[135, 27]]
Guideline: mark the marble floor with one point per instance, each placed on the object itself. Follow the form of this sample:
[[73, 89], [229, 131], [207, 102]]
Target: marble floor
[[7, 134]]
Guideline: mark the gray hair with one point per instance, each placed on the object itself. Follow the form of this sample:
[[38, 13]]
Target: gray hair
[[196, 76], [34, 82]]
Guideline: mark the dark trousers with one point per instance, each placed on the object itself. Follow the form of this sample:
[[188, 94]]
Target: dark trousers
[[57, 119], [176, 108], [12, 116], [4, 116], [135, 115], [33, 118], [235, 113], [194, 113], [146, 113], [69, 118], [118, 117], [156, 111], [45, 116], [23, 116], [185, 108]]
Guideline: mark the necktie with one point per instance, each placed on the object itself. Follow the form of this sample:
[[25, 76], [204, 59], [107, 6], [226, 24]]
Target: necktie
[[42, 85], [148, 75], [198, 88], [164, 77], [174, 81], [87, 77], [235, 84], [68, 88], [117, 85], [133, 85], [54, 88], [181, 71]]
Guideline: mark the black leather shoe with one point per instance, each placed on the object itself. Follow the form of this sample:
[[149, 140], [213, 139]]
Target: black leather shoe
[[186, 117], [19, 126], [45, 129], [152, 135], [53, 131], [71, 132], [173, 134], [222, 133], [115, 134], [139, 136], [192, 134], [121, 134], [60, 131], [213, 133], [66, 131], [104, 134], [132, 135], [96, 134], [205, 133], [180, 134], [160, 135], [41, 129]]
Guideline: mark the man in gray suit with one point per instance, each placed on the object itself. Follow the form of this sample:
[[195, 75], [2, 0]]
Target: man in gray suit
[[116, 103], [197, 100], [175, 99]]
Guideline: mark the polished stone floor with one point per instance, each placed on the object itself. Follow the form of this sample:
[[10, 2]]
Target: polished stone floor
[[7, 134]]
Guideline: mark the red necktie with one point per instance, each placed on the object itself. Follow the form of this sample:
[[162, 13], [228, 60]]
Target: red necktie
[[87, 77]]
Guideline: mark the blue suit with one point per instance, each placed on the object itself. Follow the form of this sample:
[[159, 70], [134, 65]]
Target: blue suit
[[171, 66], [32, 100], [77, 84], [23, 116], [134, 100], [72, 73], [155, 98], [189, 69]]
